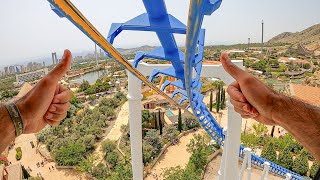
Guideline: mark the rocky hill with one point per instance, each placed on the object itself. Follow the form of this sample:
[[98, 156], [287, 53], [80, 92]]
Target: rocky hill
[[309, 37]]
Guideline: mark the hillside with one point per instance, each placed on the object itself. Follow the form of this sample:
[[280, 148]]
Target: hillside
[[309, 37], [134, 50]]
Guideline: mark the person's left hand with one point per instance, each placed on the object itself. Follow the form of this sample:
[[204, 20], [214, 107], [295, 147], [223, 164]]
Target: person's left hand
[[48, 101]]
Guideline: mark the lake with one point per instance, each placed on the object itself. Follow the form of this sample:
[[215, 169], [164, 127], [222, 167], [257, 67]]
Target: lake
[[91, 77]]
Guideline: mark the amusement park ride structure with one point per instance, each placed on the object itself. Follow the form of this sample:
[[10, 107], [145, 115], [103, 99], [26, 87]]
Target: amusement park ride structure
[[184, 72]]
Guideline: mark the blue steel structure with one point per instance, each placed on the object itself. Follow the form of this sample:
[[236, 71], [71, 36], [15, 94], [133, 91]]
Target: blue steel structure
[[156, 19]]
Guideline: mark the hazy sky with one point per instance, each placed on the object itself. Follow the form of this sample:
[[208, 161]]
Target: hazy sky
[[30, 29]]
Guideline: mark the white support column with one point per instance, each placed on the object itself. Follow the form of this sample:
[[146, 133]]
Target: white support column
[[249, 163], [222, 164], [135, 122], [288, 176], [246, 164], [231, 170], [266, 166]]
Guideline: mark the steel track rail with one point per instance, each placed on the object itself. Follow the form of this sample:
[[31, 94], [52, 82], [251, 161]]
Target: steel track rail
[[79, 20]]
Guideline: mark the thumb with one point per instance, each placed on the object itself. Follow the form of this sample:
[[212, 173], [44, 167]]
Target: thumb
[[232, 69], [60, 70]]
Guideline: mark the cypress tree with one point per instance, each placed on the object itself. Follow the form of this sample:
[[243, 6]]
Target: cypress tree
[[218, 99], [223, 98], [180, 121], [160, 122], [155, 121], [211, 97]]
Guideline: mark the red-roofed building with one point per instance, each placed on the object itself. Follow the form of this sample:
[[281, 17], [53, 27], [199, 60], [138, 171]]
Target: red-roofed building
[[307, 94]]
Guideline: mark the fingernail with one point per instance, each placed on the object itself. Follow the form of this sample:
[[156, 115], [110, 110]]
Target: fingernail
[[49, 116], [64, 53]]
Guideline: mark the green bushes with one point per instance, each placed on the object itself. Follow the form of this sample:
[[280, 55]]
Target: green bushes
[[285, 158], [314, 169], [112, 158], [300, 164], [82, 130], [99, 86], [152, 146], [190, 123], [70, 155], [200, 150], [108, 146], [18, 153], [269, 152]]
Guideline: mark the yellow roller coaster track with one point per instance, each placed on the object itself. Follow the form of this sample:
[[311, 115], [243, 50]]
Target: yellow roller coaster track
[[73, 13]]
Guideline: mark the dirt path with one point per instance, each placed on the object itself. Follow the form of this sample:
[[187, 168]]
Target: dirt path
[[113, 132], [30, 158], [176, 155]]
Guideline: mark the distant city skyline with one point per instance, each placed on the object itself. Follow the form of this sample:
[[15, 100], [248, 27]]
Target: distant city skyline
[[34, 31]]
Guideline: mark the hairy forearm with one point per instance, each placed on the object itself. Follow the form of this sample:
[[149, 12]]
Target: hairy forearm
[[7, 131], [301, 120]]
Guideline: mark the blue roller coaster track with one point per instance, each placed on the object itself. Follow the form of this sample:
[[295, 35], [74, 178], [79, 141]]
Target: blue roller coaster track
[[156, 19]]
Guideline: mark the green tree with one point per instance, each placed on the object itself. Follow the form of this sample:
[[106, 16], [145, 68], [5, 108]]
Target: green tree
[[223, 98], [89, 91], [112, 158], [170, 133], [190, 123], [153, 139], [84, 86], [314, 169], [269, 152], [260, 129], [110, 102], [70, 155], [160, 122], [300, 164], [155, 121], [108, 146], [122, 172], [211, 99], [218, 99], [285, 158], [307, 66], [179, 121], [100, 171]]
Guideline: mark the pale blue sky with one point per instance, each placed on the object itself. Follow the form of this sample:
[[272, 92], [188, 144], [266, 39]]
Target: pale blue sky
[[30, 29]]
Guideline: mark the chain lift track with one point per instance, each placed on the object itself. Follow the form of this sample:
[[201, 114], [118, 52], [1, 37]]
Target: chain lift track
[[186, 67]]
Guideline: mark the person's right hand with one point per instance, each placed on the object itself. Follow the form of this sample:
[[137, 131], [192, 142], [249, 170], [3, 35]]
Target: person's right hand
[[250, 97]]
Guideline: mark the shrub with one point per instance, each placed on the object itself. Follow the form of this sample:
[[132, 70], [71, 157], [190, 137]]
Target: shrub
[[112, 158], [249, 140], [108, 146], [269, 152], [190, 123], [170, 133], [285, 158], [300, 164], [314, 169], [71, 155], [100, 171]]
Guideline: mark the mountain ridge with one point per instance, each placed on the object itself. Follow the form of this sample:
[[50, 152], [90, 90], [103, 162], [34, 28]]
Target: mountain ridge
[[309, 37]]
